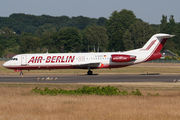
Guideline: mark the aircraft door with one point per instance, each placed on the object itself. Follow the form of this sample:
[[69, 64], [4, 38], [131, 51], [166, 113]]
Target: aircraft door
[[23, 60]]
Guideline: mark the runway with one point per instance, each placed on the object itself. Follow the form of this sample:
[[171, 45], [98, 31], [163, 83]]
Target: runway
[[90, 78]]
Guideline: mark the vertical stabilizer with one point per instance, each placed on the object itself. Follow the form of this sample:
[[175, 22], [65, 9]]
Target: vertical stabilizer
[[154, 45]]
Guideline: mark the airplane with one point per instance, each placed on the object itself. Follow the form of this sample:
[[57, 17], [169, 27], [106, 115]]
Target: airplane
[[150, 51]]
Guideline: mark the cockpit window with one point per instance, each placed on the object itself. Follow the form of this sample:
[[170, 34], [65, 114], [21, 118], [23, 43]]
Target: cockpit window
[[14, 59]]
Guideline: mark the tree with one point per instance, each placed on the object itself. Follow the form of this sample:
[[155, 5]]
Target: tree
[[29, 43], [171, 27], [3, 40], [20, 22], [85, 44], [6, 32], [9, 39], [101, 21], [1, 50], [68, 40], [97, 36], [45, 29], [167, 27], [176, 47], [163, 23], [81, 22], [48, 41], [137, 35], [116, 26]]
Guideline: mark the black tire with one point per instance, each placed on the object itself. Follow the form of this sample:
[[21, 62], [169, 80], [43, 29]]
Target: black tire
[[89, 72]]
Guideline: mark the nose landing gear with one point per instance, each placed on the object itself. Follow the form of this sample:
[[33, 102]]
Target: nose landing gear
[[21, 74], [17, 70]]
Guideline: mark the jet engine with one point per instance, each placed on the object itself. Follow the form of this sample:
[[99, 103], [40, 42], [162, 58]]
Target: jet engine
[[122, 58]]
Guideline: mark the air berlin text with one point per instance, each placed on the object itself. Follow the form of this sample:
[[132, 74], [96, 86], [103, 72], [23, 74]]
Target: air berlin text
[[52, 59]]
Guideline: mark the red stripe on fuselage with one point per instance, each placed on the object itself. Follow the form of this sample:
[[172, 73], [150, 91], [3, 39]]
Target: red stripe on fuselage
[[34, 67]]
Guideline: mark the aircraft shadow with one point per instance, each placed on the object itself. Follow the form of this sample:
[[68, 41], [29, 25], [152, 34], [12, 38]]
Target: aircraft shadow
[[151, 74], [92, 74]]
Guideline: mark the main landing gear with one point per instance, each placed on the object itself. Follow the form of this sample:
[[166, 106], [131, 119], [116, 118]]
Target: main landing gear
[[89, 72]]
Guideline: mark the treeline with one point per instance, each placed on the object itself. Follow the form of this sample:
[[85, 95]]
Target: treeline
[[21, 33], [38, 24]]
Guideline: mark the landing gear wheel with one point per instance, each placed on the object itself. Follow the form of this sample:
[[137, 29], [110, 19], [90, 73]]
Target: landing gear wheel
[[89, 72]]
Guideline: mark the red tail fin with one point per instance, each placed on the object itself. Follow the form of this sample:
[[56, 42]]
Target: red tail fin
[[154, 45]]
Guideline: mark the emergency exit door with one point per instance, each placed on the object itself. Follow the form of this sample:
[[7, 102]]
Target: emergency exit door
[[23, 60]]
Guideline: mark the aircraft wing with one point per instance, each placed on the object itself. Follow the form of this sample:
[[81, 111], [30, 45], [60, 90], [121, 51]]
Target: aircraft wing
[[86, 65]]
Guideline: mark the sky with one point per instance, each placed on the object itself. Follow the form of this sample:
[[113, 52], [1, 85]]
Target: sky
[[149, 11]]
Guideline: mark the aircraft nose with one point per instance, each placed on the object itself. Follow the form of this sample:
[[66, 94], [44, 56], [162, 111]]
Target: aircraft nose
[[5, 64]]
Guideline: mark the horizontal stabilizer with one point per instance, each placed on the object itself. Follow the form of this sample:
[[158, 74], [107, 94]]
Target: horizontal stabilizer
[[165, 36]]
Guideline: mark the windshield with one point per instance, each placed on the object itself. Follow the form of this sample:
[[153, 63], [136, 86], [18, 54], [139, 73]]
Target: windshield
[[14, 59]]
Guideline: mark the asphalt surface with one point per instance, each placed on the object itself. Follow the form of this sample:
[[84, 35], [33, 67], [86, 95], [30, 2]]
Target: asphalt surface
[[90, 78]]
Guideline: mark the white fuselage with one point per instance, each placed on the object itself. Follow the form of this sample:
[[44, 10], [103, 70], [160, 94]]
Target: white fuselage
[[71, 60], [150, 51]]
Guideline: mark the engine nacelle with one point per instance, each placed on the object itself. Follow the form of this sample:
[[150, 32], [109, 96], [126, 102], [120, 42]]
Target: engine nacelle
[[122, 58]]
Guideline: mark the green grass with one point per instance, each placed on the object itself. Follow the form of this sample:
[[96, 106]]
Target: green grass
[[125, 70], [142, 86]]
